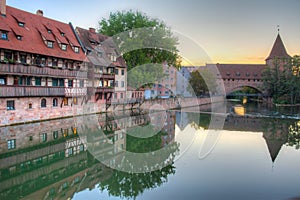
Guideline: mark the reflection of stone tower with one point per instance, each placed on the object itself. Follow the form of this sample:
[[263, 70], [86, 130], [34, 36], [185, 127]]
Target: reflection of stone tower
[[275, 139], [278, 54]]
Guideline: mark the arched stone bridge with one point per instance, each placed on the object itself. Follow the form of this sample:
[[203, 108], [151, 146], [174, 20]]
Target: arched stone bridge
[[237, 76]]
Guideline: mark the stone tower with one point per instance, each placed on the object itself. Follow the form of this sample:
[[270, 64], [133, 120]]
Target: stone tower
[[278, 54]]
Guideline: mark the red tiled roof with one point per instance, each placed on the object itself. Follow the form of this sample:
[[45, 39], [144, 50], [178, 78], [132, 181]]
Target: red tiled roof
[[36, 27], [278, 50], [241, 71]]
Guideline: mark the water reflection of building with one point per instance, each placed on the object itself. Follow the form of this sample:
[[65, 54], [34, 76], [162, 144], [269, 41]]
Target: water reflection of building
[[49, 160], [275, 131], [182, 120], [45, 160]]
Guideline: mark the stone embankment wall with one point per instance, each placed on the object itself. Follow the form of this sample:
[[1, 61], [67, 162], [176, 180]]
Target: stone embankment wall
[[24, 114]]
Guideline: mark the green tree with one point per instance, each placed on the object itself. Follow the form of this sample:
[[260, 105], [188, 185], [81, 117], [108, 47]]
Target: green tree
[[283, 84], [141, 39], [202, 82]]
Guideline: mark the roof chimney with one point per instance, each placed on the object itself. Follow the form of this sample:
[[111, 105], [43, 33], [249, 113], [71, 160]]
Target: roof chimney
[[92, 30], [40, 12], [3, 7]]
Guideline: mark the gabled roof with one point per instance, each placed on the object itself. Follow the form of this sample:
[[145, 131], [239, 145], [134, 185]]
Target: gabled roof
[[35, 31], [92, 41], [278, 50]]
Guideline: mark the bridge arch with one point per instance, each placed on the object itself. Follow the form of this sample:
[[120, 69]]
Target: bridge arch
[[231, 86]]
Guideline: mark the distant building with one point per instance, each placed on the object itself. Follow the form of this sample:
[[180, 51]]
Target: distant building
[[182, 81], [166, 87], [109, 73]]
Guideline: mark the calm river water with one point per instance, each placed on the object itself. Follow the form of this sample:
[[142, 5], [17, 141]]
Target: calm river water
[[155, 155]]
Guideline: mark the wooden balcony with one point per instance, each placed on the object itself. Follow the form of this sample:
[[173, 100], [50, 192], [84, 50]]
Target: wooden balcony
[[102, 76], [31, 91], [73, 92], [104, 90], [32, 70]]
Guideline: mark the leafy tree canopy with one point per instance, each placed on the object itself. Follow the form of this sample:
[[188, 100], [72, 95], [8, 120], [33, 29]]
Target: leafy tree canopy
[[141, 39], [202, 82], [283, 84]]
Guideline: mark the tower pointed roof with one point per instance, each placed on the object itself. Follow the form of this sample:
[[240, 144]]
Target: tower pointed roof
[[278, 50]]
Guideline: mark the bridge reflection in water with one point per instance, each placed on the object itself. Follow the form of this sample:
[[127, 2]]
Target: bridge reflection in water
[[51, 160]]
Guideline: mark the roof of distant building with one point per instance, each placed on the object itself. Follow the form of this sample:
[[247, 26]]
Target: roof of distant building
[[93, 41], [278, 49], [28, 32], [242, 71]]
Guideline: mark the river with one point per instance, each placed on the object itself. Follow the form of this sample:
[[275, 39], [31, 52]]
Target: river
[[253, 153]]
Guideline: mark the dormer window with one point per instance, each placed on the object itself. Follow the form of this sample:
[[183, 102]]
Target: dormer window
[[49, 31], [19, 37], [64, 47], [49, 44], [76, 49], [21, 24], [62, 34], [4, 35]]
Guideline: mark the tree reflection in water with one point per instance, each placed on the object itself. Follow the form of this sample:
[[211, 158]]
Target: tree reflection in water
[[294, 135], [130, 185]]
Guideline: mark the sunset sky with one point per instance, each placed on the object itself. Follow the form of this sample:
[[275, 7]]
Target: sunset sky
[[228, 31]]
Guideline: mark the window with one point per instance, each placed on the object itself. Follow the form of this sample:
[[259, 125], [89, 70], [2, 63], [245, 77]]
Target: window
[[228, 74], [19, 37], [62, 34], [65, 132], [65, 101], [20, 80], [49, 30], [123, 72], [61, 82], [64, 47], [11, 144], [30, 106], [21, 24], [54, 82], [81, 83], [75, 101], [55, 135], [121, 95], [116, 84], [43, 137], [38, 81], [10, 105], [54, 62], [116, 71], [76, 49], [70, 83], [4, 35], [49, 44], [54, 102], [115, 96], [28, 80], [2, 80], [237, 73], [247, 74], [111, 83], [43, 103], [122, 84]]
